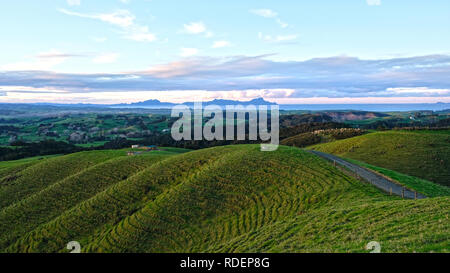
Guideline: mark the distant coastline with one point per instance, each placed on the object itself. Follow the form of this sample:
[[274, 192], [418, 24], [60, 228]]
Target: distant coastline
[[156, 104], [369, 107]]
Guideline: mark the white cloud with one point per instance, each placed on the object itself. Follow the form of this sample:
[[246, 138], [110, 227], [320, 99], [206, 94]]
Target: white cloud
[[123, 19], [30, 89], [278, 38], [18, 94], [362, 100], [267, 13], [106, 58], [417, 90], [220, 44], [282, 24], [32, 94], [140, 34], [195, 28], [373, 2], [43, 61], [187, 52], [418, 79], [125, 1], [74, 2]]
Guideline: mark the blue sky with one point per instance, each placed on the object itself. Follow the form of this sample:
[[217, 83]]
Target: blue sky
[[323, 51]]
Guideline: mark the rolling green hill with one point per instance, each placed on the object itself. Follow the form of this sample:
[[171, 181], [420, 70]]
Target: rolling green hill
[[425, 187], [321, 136], [223, 199], [8, 165], [424, 154]]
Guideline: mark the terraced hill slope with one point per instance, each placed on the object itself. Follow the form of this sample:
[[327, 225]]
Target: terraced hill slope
[[421, 154], [223, 199]]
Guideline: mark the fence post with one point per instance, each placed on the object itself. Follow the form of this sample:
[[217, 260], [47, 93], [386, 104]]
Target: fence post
[[403, 192], [390, 191], [415, 195], [334, 163]]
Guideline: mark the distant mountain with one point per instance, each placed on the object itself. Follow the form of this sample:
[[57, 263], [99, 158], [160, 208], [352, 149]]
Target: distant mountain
[[159, 104], [259, 101], [147, 103]]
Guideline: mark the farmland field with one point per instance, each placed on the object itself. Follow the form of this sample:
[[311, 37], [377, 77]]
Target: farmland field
[[424, 154], [222, 199]]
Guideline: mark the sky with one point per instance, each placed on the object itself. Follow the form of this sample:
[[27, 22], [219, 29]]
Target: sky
[[290, 52]]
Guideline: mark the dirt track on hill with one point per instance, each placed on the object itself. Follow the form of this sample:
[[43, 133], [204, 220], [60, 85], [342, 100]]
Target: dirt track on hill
[[372, 177]]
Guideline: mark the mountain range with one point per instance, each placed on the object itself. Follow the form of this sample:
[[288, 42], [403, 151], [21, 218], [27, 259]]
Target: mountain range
[[220, 102]]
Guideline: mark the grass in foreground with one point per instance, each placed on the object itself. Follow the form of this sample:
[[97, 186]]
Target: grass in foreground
[[223, 199]]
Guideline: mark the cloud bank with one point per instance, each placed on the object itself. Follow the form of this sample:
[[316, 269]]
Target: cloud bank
[[334, 77]]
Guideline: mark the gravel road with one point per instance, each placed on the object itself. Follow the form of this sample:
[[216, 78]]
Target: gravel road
[[372, 177]]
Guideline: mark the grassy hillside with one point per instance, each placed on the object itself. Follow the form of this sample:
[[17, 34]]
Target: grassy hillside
[[6, 165], [421, 154], [321, 136], [423, 186], [223, 199], [399, 226], [18, 185], [13, 167]]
